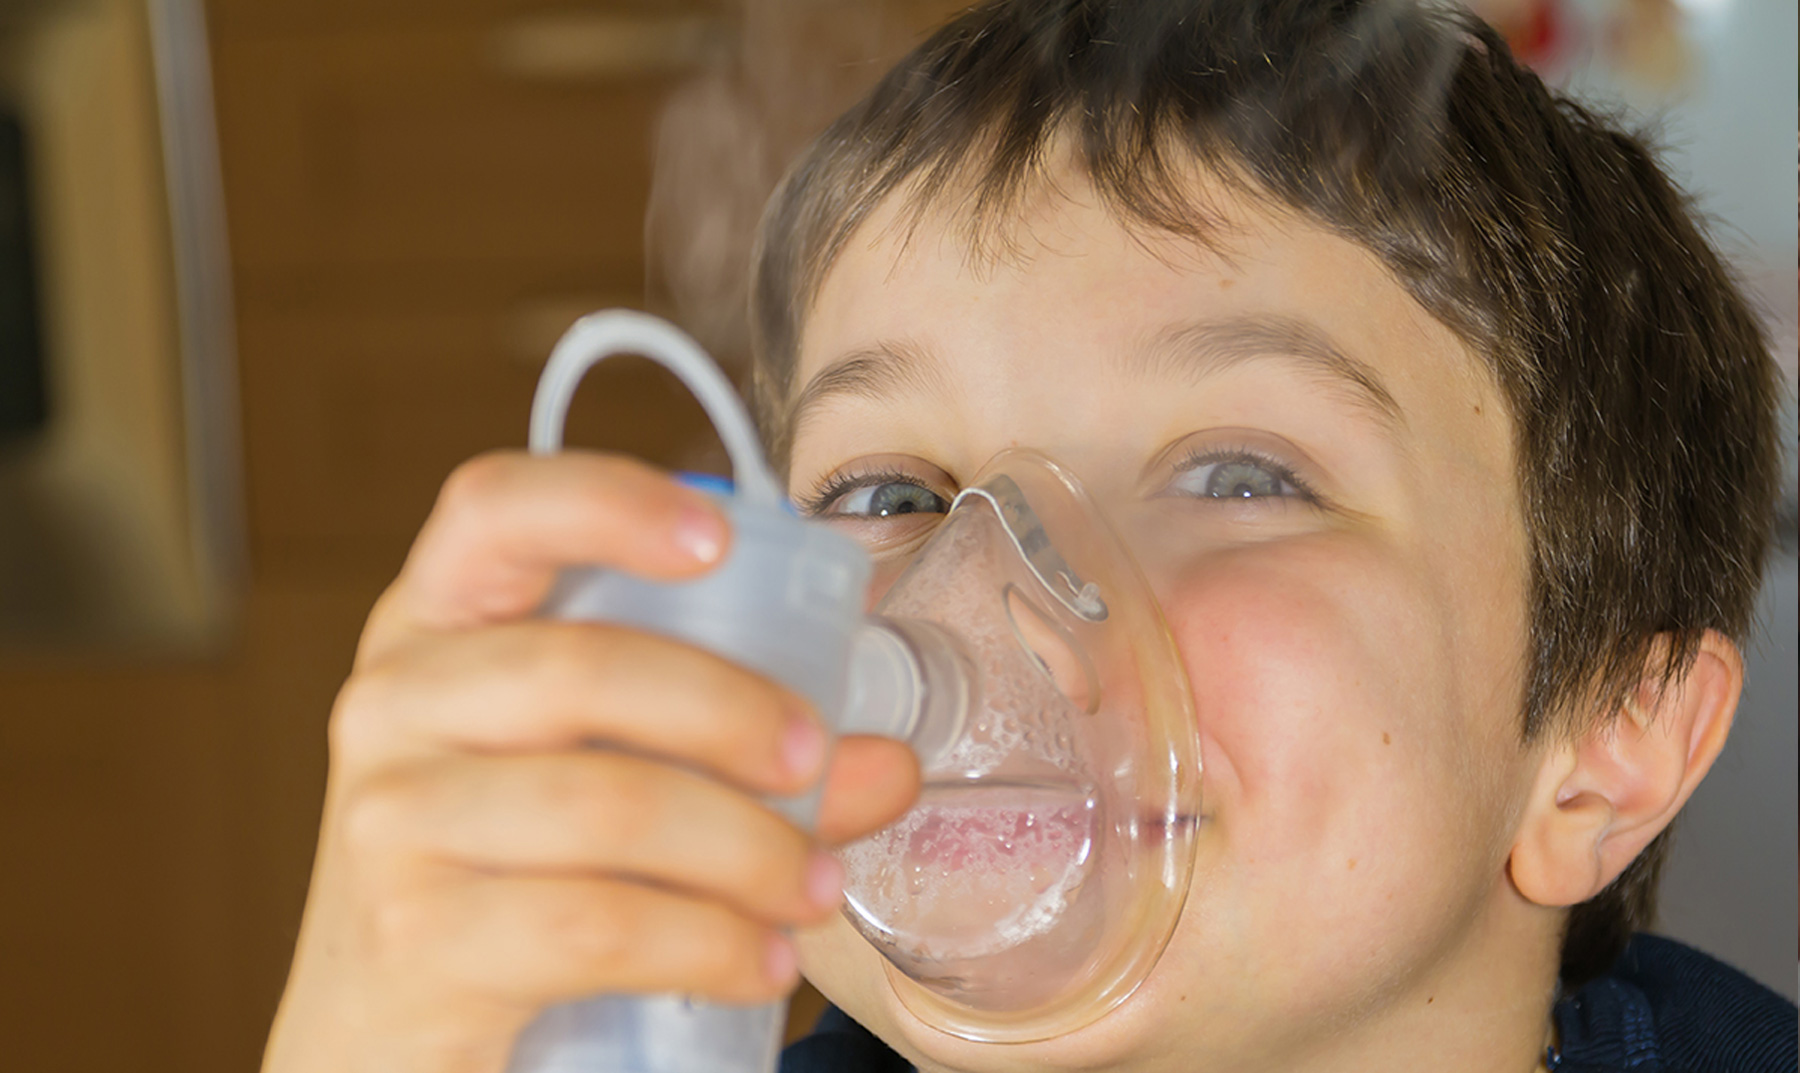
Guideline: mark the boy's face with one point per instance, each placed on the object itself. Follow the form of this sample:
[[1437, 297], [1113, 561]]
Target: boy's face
[[1319, 477]]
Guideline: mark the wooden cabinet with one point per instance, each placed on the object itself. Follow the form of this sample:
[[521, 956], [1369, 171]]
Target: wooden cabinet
[[359, 413], [384, 151], [411, 221], [237, 17]]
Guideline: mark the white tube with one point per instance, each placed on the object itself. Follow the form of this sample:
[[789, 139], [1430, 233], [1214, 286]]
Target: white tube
[[599, 336]]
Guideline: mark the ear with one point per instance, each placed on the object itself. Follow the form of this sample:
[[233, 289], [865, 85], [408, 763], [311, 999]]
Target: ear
[[1600, 799]]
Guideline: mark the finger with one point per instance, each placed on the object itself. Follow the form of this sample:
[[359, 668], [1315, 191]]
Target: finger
[[505, 523], [539, 686], [871, 783], [536, 940], [601, 813]]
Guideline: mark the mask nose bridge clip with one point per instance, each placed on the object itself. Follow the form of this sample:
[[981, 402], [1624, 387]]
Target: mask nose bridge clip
[[1028, 538]]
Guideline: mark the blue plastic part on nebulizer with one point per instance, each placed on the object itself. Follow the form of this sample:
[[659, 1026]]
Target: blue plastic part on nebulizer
[[710, 483], [786, 602]]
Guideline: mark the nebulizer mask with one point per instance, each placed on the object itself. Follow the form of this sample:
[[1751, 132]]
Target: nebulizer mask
[[1040, 874]]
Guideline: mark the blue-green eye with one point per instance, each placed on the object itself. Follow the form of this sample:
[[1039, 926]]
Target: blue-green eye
[[1235, 476], [887, 499]]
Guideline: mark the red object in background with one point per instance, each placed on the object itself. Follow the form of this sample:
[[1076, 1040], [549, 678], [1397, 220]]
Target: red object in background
[[1540, 37], [1643, 41], [1539, 32]]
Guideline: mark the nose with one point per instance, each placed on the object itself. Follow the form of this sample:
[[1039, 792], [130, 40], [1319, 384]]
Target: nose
[[1057, 653]]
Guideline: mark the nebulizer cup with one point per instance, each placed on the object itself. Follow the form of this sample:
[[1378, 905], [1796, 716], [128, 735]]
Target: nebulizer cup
[[786, 602], [1021, 655]]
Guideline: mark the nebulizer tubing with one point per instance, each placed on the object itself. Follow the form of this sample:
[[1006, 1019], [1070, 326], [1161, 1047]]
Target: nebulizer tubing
[[599, 336], [786, 602]]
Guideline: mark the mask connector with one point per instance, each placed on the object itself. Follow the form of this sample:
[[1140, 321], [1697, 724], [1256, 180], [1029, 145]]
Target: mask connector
[[909, 681]]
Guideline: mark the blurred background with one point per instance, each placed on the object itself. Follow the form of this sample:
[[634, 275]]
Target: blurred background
[[270, 268]]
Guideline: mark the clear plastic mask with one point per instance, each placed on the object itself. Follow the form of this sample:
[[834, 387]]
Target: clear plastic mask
[[1043, 869]]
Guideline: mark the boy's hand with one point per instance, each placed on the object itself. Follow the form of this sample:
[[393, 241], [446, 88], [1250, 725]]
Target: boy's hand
[[522, 812]]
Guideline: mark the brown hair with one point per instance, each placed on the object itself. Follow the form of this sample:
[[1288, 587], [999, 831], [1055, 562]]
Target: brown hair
[[1639, 380]]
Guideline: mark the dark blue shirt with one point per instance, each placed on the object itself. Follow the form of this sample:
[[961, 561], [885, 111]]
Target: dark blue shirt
[[1664, 1008]]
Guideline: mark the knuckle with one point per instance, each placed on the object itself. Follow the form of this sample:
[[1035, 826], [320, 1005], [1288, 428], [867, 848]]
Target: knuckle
[[750, 711], [475, 481], [571, 788], [379, 627], [778, 870], [559, 666], [378, 814], [596, 929], [357, 716], [561, 658], [623, 801], [397, 927], [724, 956]]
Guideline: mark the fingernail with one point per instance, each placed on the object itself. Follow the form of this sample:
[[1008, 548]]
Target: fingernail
[[700, 533], [780, 963], [803, 746], [824, 880]]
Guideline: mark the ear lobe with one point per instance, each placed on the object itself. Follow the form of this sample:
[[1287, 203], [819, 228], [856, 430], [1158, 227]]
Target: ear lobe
[[1600, 799]]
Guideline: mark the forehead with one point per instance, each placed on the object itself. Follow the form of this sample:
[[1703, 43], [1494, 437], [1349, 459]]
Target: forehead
[[1067, 292]]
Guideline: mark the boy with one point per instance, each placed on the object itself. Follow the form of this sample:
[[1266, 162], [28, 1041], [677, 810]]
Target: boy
[[1461, 443]]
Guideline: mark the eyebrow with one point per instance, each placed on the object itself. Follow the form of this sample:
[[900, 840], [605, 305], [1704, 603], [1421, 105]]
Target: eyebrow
[[1195, 349], [877, 372], [1201, 348]]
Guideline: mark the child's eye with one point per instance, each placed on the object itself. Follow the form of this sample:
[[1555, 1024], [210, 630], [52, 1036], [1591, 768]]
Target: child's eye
[[886, 499], [878, 488], [1235, 475]]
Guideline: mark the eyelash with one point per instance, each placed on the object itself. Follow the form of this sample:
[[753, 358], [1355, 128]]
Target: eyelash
[[834, 488], [1201, 456]]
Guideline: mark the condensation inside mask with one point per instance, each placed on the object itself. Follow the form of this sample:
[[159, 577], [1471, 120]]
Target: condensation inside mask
[[1040, 874], [1005, 831]]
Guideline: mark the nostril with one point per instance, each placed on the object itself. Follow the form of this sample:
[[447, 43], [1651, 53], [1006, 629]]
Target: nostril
[[1056, 652]]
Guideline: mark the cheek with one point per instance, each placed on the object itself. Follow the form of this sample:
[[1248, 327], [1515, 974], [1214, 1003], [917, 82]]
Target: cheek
[[1355, 823], [1325, 686]]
